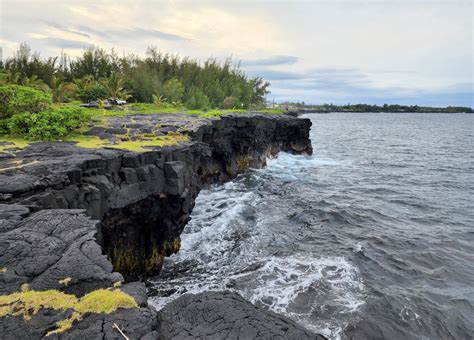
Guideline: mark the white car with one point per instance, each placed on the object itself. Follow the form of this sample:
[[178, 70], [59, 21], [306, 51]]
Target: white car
[[115, 101]]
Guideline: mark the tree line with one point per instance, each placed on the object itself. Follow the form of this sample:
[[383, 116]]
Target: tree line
[[165, 79], [378, 108]]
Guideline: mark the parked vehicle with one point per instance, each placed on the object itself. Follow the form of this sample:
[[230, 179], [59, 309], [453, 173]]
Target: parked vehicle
[[115, 101], [90, 105]]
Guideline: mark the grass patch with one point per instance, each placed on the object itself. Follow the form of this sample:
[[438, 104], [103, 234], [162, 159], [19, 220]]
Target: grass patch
[[29, 302], [148, 108], [272, 111], [9, 143], [142, 143], [214, 112], [132, 109]]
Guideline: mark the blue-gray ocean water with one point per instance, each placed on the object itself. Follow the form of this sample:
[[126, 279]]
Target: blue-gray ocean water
[[371, 237]]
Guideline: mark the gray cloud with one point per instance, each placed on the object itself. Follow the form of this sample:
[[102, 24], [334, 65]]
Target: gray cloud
[[315, 78], [275, 75], [91, 30], [64, 29], [140, 32], [133, 33], [64, 43], [271, 61], [342, 86]]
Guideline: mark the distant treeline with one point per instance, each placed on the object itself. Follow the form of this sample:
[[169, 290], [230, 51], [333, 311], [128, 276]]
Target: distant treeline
[[378, 108], [158, 77]]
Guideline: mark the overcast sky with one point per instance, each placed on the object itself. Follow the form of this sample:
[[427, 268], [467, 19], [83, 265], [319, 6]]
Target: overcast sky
[[408, 52]]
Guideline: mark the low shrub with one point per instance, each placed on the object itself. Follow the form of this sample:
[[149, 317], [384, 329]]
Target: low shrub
[[229, 103], [92, 93], [197, 100], [47, 125], [16, 99]]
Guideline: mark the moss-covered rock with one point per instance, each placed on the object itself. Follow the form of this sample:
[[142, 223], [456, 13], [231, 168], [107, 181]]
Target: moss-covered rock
[[29, 302]]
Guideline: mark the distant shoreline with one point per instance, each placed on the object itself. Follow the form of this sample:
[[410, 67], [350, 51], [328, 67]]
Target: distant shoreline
[[359, 108], [308, 111]]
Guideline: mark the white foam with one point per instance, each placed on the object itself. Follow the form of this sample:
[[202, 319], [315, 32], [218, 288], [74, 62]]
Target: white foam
[[283, 281], [221, 249]]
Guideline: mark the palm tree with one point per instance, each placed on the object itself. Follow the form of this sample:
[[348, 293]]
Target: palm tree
[[59, 88], [158, 100], [10, 77], [114, 87], [83, 83], [34, 82]]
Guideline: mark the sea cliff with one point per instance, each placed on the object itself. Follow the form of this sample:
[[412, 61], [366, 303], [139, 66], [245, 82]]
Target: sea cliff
[[79, 220]]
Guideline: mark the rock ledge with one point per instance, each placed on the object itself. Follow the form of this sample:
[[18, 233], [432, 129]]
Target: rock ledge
[[101, 216]]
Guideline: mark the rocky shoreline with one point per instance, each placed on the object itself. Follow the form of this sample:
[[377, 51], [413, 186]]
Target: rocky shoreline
[[77, 220]]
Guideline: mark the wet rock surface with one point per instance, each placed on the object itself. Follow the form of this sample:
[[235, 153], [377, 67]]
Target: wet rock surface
[[225, 315], [100, 216]]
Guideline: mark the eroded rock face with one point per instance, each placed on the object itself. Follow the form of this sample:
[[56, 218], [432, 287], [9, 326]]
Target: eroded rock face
[[99, 216], [144, 200]]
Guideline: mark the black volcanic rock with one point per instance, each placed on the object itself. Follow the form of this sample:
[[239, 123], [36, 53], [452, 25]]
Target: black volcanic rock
[[99, 216], [48, 246], [225, 315]]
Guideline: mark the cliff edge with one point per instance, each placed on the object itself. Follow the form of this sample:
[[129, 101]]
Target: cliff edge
[[81, 223]]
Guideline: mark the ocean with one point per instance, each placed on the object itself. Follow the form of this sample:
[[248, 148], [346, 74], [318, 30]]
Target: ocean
[[370, 237]]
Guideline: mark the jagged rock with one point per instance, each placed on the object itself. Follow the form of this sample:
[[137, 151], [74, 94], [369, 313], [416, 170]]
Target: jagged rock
[[45, 248], [49, 246], [225, 315], [156, 188], [139, 203]]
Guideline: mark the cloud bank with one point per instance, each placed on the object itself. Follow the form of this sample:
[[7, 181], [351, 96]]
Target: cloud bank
[[412, 52]]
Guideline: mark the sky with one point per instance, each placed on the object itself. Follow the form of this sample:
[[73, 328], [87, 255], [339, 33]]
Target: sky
[[354, 51]]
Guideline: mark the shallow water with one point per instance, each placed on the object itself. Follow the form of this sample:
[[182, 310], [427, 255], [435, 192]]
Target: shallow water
[[371, 237]]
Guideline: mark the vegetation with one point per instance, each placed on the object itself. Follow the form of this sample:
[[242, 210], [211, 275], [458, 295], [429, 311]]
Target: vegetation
[[59, 89], [29, 302], [377, 108], [16, 99], [97, 74], [139, 143], [39, 97], [7, 145], [114, 87], [50, 124]]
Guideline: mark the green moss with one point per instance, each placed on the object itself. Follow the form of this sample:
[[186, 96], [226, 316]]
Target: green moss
[[27, 303], [13, 143], [273, 111], [126, 261], [243, 163], [155, 260], [104, 301], [141, 143]]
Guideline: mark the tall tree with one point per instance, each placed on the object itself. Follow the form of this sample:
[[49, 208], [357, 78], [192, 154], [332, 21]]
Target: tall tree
[[59, 88], [114, 86]]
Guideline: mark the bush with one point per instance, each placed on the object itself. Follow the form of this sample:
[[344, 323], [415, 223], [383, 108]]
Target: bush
[[92, 93], [16, 99], [173, 91], [229, 103], [197, 100], [47, 125]]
